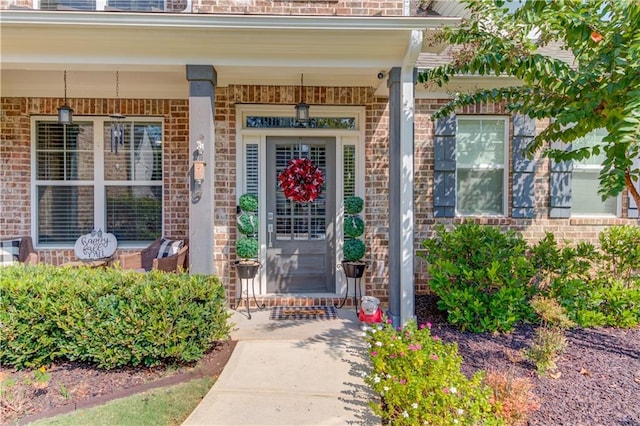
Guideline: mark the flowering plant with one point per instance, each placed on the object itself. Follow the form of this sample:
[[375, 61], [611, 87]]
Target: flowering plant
[[419, 379], [301, 181]]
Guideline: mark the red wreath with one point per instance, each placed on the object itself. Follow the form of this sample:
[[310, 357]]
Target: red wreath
[[301, 181]]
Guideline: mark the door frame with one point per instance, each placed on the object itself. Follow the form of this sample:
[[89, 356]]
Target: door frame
[[246, 136]]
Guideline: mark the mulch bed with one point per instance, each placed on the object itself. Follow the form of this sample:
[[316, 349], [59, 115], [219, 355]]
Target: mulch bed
[[599, 382], [76, 386]]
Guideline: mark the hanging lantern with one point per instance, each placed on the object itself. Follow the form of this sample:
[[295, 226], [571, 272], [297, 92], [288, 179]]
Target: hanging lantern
[[302, 108], [65, 113]]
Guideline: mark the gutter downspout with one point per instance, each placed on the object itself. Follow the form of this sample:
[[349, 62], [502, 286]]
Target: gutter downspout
[[401, 175]]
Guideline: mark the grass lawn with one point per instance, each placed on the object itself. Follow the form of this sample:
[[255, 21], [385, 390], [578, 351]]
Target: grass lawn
[[164, 406]]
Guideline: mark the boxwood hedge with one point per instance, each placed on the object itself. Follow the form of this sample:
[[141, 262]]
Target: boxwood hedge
[[107, 317]]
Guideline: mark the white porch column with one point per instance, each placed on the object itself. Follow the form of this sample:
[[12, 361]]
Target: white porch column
[[401, 158], [202, 84]]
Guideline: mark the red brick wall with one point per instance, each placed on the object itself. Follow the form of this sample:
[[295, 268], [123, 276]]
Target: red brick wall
[[571, 229], [270, 7], [15, 158], [225, 122], [15, 174]]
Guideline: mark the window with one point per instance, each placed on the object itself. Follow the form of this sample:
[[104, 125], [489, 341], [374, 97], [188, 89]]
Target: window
[[120, 5], [81, 185], [585, 180], [480, 165]]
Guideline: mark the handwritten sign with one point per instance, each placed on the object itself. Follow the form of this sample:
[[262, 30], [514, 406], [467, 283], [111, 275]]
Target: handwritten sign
[[96, 245]]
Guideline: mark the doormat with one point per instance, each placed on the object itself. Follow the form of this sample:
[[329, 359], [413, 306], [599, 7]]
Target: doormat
[[303, 312]]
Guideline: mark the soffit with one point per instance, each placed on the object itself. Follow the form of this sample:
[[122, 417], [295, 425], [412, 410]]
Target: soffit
[[272, 50]]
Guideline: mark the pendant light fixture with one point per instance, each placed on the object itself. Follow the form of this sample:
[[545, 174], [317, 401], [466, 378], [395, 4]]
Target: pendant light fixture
[[302, 108], [117, 121], [65, 113]]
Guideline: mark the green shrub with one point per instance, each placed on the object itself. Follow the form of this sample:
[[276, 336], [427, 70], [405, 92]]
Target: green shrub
[[353, 205], [110, 318], [353, 250], [550, 340], [248, 203], [248, 224], [621, 252], [482, 276], [247, 248], [353, 226], [419, 380], [595, 288]]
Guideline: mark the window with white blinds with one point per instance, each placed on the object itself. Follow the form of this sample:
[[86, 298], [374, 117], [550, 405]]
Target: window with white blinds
[[80, 188], [586, 180], [481, 145], [252, 169], [349, 171]]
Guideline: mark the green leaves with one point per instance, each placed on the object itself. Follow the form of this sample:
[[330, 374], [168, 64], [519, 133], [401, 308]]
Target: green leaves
[[110, 318], [594, 86]]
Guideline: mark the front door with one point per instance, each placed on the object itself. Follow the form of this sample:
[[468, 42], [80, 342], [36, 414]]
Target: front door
[[300, 236]]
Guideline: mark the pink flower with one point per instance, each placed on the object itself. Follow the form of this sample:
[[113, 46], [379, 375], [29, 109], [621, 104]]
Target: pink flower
[[434, 357], [403, 381], [445, 390], [374, 353], [429, 325], [392, 356], [412, 347], [421, 326], [436, 338], [389, 321], [418, 346]]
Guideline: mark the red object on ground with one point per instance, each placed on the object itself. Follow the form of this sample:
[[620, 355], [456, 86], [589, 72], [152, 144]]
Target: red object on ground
[[375, 317]]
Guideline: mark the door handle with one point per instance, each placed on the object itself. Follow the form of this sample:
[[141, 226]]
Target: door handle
[[270, 230]]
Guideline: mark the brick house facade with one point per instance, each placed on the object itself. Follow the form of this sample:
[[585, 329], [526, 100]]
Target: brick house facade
[[21, 106]]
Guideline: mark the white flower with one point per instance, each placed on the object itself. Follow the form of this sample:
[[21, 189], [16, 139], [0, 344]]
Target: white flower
[[405, 414], [376, 379], [363, 334], [380, 327], [386, 388], [388, 376], [455, 421], [363, 375], [378, 343], [460, 411], [373, 330], [414, 405], [368, 345], [453, 390], [365, 328]]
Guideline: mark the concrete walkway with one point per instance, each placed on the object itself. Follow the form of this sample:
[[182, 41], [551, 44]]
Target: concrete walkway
[[291, 372]]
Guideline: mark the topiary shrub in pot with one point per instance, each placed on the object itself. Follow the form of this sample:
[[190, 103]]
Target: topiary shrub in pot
[[247, 245], [354, 248]]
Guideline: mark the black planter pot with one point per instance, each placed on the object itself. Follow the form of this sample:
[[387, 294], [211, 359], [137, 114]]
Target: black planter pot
[[247, 268], [354, 269]]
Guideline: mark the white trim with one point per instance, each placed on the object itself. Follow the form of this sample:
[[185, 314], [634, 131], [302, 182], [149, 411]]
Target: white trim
[[191, 21], [246, 136], [495, 166]]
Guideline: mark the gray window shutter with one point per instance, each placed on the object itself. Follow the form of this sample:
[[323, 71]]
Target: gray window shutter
[[444, 168], [523, 169], [632, 211], [560, 185]]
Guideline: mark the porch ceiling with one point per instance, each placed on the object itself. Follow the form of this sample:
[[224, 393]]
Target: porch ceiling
[[153, 49]]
